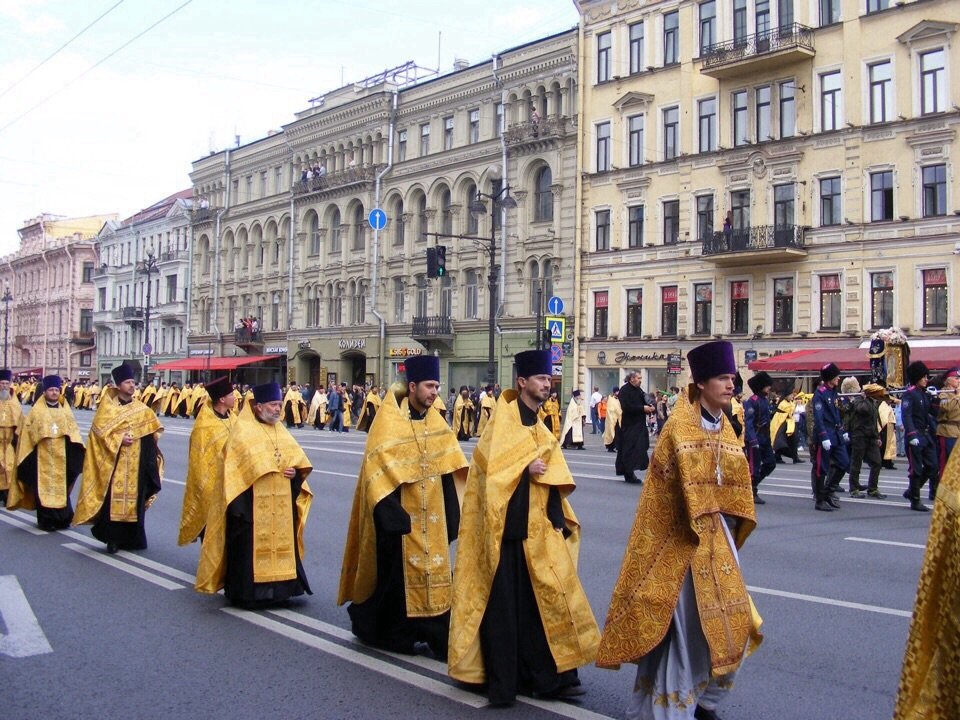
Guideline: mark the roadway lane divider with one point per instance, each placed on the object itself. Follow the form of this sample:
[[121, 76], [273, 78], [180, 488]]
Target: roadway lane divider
[[112, 561], [887, 542], [830, 601], [13, 518]]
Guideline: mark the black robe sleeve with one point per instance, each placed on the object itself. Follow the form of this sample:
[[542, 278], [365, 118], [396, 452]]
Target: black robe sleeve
[[390, 517]]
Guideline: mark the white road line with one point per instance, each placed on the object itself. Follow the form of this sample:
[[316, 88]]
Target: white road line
[[887, 542], [830, 601], [809, 496], [134, 558], [23, 637], [130, 569], [9, 516]]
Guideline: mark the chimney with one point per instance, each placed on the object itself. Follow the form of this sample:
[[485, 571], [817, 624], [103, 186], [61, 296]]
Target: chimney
[[460, 64]]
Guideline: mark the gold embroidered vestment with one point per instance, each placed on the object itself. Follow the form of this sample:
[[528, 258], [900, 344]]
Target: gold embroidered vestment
[[204, 471], [44, 430]]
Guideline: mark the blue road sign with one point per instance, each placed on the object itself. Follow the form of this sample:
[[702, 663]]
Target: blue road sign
[[147, 349], [555, 306], [377, 219], [556, 354]]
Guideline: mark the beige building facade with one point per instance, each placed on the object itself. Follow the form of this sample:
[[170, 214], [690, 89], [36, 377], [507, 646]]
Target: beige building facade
[[285, 242], [777, 173], [50, 283]]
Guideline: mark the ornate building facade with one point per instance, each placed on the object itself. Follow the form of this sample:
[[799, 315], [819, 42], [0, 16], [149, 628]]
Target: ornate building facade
[[50, 282], [288, 267], [779, 173]]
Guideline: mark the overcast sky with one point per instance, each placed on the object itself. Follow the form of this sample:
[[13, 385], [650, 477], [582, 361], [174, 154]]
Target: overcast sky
[[88, 132]]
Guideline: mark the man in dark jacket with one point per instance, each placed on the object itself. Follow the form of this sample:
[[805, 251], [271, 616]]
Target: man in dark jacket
[[634, 436], [829, 442], [919, 412], [863, 423], [756, 420]]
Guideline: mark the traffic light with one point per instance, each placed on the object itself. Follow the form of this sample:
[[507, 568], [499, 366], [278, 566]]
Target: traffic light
[[441, 260], [431, 262]]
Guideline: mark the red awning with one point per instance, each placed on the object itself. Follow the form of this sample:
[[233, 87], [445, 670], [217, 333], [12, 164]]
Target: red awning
[[851, 360], [38, 371], [213, 363]]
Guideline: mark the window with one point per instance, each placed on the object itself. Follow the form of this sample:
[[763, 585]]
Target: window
[[334, 233], [401, 146], [881, 94], [783, 304], [668, 310], [543, 196], [314, 232], [739, 22], [470, 295], [447, 133], [422, 219], [495, 187], [171, 288], [87, 275], [671, 222], [399, 297], [740, 206], [101, 299], [877, 5], [935, 298], [475, 126], [603, 56], [702, 308], [785, 12], [603, 230], [783, 217], [829, 12], [881, 196], [788, 117], [275, 312], [831, 108], [498, 118], [421, 296], [86, 320], [707, 111], [881, 299], [600, 302], [932, 82], [399, 224], [446, 217], [708, 25], [536, 289], [671, 132], [473, 222], [424, 139], [86, 359], [704, 217], [635, 139], [446, 296], [635, 226], [763, 23], [829, 201], [359, 226], [830, 302], [739, 307], [671, 38], [740, 118], [636, 48], [634, 312], [764, 129], [603, 147], [934, 190]]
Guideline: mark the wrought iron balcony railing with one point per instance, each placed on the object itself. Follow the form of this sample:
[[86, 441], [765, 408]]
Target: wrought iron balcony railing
[[544, 129], [785, 37], [757, 237], [331, 181], [246, 336], [132, 313], [435, 326]]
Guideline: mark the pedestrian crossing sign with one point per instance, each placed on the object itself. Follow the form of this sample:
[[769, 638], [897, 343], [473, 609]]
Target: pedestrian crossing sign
[[557, 327]]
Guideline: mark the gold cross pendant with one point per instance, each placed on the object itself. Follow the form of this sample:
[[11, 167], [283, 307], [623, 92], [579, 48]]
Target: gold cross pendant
[[277, 456]]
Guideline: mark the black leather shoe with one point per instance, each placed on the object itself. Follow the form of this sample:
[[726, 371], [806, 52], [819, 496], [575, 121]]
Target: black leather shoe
[[919, 506], [112, 548], [834, 502], [824, 506], [757, 500], [701, 713], [876, 495], [906, 495]]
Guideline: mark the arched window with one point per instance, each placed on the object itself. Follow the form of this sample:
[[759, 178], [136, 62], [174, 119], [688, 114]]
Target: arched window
[[275, 312], [470, 295], [314, 230], [535, 287], [421, 310], [399, 299], [543, 205], [360, 304], [422, 219], [446, 217], [446, 296], [469, 195], [359, 227], [335, 231], [398, 224], [547, 280]]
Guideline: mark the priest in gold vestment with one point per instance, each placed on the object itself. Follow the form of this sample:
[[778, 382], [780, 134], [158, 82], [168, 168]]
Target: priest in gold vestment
[[488, 406], [573, 420], [520, 620], [294, 408], [550, 414], [253, 546], [49, 459], [11, 415], [930, 680], [406, 512], [205, 460], [611, 428], [463, 415], [371, 404], [680, 609], [122, 467]]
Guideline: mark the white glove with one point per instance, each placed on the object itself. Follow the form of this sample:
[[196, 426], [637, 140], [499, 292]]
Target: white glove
[[933, 391], [915, 442], [826, 445], [846, 437]]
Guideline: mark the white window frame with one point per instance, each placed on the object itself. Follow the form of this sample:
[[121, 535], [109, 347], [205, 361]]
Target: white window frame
[[595, 137], [769, 296], [890, 108], [916, 82], [661, 131], [817, 216], [593, 229], [692, 307], [866, 310], [716, 121], [816, 304], [593, 311], [943, 264], [868, 193], [818, 104]]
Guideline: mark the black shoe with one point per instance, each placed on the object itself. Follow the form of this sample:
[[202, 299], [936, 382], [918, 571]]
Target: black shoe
[[836, 489], [823, 505], [112, 548], [858, 493], [834, 502], [701, 713], [797, 461], [632, 480], [919, 506], [757, 500], [888, 464], [906, 495], [876, 495]]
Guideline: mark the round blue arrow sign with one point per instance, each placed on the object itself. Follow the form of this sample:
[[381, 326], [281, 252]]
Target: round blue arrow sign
[[377, 219], [555, 305]]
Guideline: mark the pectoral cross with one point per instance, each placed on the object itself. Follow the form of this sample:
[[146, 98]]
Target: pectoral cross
[[277, 456], [54, 429]]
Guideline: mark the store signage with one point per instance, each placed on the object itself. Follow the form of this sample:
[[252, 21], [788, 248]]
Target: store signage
[[673, 363], [602, 357], [275, 350], [624, 357], [356, 344], [405, 352], [83, 373], [303, 344], [201, 353]]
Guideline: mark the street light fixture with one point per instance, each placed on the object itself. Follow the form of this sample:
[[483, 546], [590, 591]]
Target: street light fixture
[[501, 199], [7, 297], [147, 267]]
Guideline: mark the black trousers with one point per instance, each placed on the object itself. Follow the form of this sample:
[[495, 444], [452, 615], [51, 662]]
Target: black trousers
[[921, 467], [864, 449]]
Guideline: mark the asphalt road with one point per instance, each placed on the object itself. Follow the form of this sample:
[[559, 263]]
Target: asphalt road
[[128, 637]]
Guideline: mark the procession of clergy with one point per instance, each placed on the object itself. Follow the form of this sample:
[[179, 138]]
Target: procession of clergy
[[510, 616]]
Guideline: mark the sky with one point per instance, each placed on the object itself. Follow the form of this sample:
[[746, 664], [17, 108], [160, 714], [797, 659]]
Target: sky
[[104, 104]]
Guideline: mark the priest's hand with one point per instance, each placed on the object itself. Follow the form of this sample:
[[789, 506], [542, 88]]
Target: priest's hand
[[127, 440], [537, 467], [290, 473]]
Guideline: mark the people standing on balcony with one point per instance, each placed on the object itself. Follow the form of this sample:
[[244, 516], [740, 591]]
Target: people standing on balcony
[[756, 418], [830, 458], [920, 408], [728, 229]]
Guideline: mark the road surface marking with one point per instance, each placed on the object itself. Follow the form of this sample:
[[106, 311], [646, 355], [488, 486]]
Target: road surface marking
[[887, 542], [112, 561], [9, 516], [830, 601], [24, 636]]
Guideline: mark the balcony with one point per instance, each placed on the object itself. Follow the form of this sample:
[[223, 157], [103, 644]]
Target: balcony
[[171, 255], [757, 245], [528, 132], [20, 341], [203, 215], [334, 181], [437, 327], [761, 52], [82, 338], [246, 338], [132, 315]]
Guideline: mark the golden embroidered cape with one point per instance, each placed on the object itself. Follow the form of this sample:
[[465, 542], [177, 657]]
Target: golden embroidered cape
[[488, 407], [413, 455], [298, 408], [888, 425], [372, 400], [784, 414], [551, 409], [318, 405], [614, 417], [149, 395], [45, 423], [204, 471], [573, 420], [108, 463], [463, 416], [440, 407], [679, 527], [501, 456], [737, 408], [11, 417], [251, 461], [930, 678]]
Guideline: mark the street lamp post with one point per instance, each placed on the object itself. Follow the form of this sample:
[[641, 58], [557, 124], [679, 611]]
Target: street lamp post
[[7, 297], [502, 199], [147, 267]]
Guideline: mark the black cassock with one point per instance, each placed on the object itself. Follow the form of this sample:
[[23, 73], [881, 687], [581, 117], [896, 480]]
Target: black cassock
[[129, 535], [53, 518], [634, 441]]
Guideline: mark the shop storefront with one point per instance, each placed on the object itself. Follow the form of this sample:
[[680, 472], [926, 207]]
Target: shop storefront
[[202, 365], [659, 369], [328, 360]]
